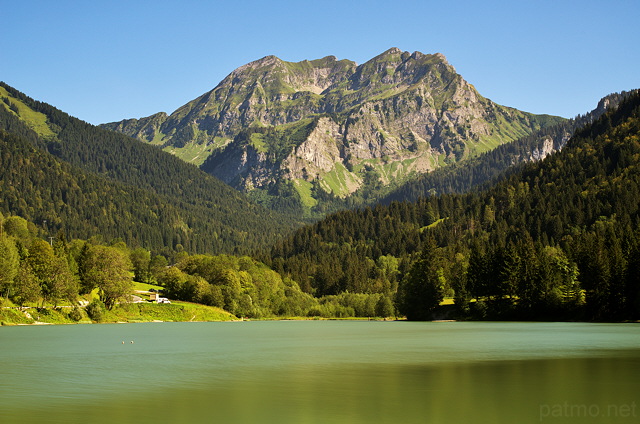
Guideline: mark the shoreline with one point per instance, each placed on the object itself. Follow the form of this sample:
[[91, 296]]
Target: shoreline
[[291, 319], [123, 313], [156, 321]]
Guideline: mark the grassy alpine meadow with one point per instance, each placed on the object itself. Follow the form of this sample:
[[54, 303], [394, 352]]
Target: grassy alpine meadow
[[35, 120]]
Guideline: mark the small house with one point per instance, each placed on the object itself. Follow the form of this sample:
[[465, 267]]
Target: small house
[[155, 297]]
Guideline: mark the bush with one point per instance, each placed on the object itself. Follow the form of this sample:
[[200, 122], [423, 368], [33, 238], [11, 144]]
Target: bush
[[75, 314], [479, 309], [95, 310], [314, 312], [384, 307]]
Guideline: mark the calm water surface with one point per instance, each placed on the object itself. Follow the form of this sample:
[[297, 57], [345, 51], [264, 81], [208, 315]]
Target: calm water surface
[[321, 372]]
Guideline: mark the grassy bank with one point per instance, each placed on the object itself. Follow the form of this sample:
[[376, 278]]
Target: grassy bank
[[131, 312], [176, 311]]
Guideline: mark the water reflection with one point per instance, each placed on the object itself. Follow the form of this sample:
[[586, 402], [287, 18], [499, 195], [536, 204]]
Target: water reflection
[[322, 373], [494, 392]]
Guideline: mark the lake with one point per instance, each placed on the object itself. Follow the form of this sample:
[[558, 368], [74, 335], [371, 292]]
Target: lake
[[321, 372]]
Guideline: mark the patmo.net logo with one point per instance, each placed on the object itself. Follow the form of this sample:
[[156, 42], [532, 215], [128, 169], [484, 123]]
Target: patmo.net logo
[[587, 411]]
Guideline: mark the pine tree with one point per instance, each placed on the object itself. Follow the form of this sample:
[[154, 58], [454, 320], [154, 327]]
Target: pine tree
[[422, 289]]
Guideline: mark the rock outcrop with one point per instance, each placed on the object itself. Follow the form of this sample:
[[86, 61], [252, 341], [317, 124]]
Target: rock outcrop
[[331, 121]]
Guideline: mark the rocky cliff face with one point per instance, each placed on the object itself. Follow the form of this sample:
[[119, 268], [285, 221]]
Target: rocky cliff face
[[557, 138], [318, 153], [331, 122]]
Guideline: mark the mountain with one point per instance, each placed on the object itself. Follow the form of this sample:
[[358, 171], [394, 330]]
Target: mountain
[[299, 135], [557, 239], [64, 174], [486, 169]]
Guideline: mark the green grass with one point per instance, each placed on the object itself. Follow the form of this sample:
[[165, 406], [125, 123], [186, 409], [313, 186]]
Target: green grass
[[35, 120], [158, 138], [13, 317], [48, 315], [337, 180], [504, 131], [57, 315], [304, 190], [257, 141], [432, 225], [174, 312], [193, 152], [392, 171], [128, 312], [145, 286]]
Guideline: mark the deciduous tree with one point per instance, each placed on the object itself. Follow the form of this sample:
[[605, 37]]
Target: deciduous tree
[[108, 268]]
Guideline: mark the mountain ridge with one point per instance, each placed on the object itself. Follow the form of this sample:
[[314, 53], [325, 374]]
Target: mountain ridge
[[487, 168], [395, 116]]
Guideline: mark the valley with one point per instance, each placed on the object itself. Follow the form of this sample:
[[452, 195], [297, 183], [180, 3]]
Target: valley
[[534, 226]]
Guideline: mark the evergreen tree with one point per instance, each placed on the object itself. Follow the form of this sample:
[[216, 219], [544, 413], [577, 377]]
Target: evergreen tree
[[422, 289]]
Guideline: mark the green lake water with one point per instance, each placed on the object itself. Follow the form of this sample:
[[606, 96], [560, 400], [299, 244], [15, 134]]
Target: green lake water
[[321, 372]]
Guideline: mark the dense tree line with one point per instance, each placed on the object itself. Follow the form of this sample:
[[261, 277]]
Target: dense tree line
[[248, 288], [557, 239], [239, 285], [57, 196], [42, 273], [87, 180], [47, 273]]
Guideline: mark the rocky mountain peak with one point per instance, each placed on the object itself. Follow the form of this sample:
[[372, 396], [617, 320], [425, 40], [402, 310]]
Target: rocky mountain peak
[[441, 57], [391, 51], [333, 124], [265, 62]]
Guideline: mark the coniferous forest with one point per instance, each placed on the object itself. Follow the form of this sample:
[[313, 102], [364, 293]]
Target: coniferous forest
[[64, 174], [556, 239]]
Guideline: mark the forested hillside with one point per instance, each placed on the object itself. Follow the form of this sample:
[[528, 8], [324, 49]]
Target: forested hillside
[[71, 281], [556, 238], [86, 180], [559, 239], [494, 164]]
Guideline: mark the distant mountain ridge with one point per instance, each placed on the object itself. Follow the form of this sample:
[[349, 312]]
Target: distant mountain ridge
[[329, 127]]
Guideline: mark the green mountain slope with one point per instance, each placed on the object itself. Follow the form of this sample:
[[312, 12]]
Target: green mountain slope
[[316, 130], [87, 180], [487, 168], [559, 239]]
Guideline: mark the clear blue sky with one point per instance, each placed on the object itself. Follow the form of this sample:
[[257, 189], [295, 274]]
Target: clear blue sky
[[104, 61]]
